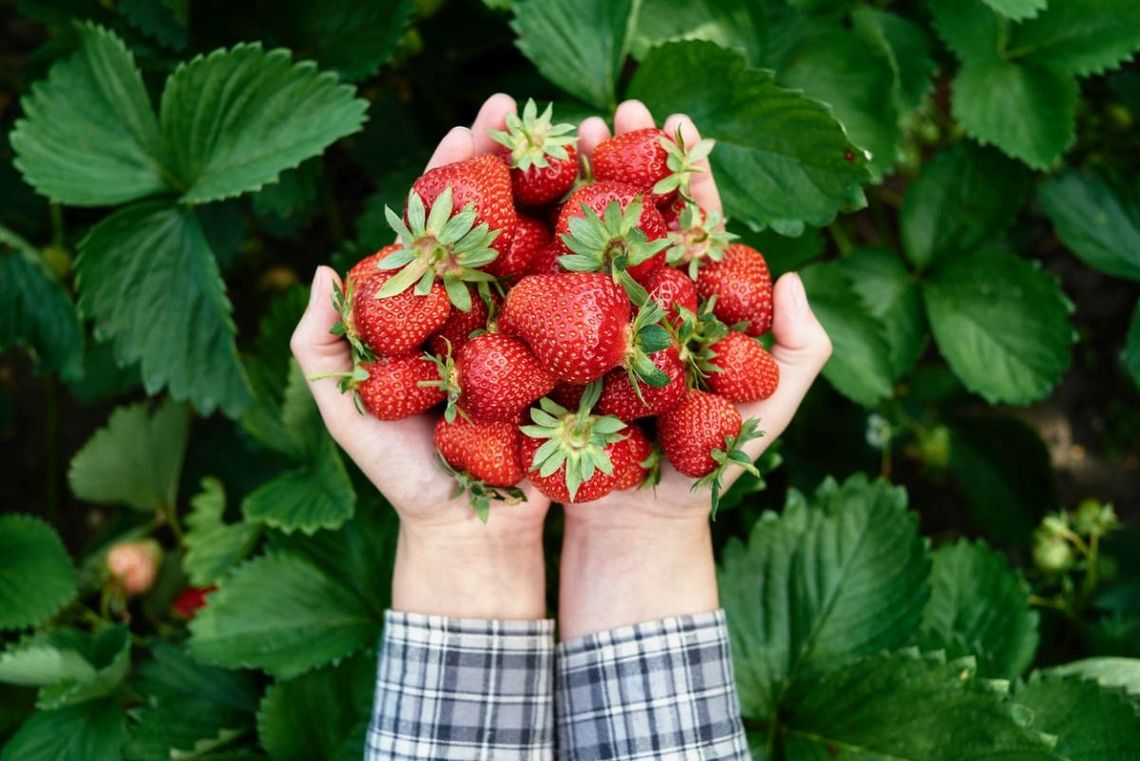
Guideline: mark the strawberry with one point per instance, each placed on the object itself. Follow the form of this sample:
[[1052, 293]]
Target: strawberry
[[576, 457], [702, 436], [569, 395], [460, 325], [543, 161], [395, 388], [493, 377], [484, 458], [624, 401], [459, 218], [388, 326], [651, 160], [743, 287], [578, 326], [697, 238], [545, 260], [673, 290], [134, 565], [190, 601], [631, 458], [368, 265], [609, 227], [744, 370], [531, 236]]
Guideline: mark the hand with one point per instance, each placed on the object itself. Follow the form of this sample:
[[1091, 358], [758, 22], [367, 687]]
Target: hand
[[447, 562], [637, 556]]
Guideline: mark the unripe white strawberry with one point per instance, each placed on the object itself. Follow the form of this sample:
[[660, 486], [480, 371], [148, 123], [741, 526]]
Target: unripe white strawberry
[[134, 565]]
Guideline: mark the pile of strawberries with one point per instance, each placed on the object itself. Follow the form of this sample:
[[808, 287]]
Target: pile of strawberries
[[564, 317]]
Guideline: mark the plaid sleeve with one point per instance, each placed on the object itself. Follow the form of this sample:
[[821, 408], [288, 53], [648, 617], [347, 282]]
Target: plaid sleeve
[[463, 689], [662, 689]]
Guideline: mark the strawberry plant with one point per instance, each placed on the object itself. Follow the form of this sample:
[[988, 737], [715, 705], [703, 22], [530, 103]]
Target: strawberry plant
[[929, 565]]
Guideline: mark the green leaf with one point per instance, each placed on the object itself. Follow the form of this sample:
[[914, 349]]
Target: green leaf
[[579, 45], [173, 675], [907, 48], [147, 277], [317, 495], [1026, 111], [282, 614], [1004, 470], [850, 74], [860, 366], [1079, 37], [1109, 672], [889, 294], [135, 460], [1131, 354], [293, 195], [965, 196], [1100, 223], [89, 136], [162, 20], [35, 309], [352, 37], [781, 159], [906, 707], [1017, 9], [37, 577], [213, 546], [821, 584], [968, 27], [187, 728], [235, 119], [94, 730], [1003, 325], [70, 666], [976, 596], [782, 254], [1089, 722], [313, 715], [728, 23]]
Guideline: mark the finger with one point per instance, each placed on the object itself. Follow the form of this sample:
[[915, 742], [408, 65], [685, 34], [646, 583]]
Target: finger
[[702, 185], [632, 115], [456, 145], [319, 352], [591, 132], [801, 349], [492, 115]]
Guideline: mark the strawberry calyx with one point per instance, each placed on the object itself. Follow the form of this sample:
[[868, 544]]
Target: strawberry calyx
[[478, 492], [647, 335], [611, 243], [448, 382], [652, 466], [349, 380], [695, 335], [698, 238], [682, 163], [442, 244], [533, 138], [576, 439], [342, 303], [732, 454]]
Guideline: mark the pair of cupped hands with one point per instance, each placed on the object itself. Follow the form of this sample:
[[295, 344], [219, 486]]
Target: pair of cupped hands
[[438, 530]]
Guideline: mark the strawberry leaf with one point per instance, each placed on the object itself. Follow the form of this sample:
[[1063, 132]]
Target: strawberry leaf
[[316, 495], [36, 574], [213, 546], [1097, 219], [96, 729], [1089, 722]]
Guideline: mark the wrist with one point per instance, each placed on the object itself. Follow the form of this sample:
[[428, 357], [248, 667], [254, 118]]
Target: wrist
[[470, 571]]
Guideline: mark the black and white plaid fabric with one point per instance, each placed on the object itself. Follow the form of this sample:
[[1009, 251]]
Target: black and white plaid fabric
[[463, 690], [659, 690]]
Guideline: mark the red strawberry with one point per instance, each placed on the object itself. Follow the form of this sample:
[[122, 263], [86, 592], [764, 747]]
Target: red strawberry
[[486, 450], [392, 326], [392, 389], [747, 372], [190, 601], [531, 237], [671, 289], [545, 261], [485, 182], [702, 436], [620, 400], [633, 452], [368, 265], [460, 326], [630, 241], [743, 287], [626, 456], [569, 395], [697, 238], [542, 158], [494, 377], [651, 160]]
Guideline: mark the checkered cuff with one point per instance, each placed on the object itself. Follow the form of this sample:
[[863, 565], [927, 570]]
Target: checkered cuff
[[457, 689], [662, 689]]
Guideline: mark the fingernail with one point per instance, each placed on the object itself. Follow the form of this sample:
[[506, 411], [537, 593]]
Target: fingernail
[[798, 294], [315, 288]]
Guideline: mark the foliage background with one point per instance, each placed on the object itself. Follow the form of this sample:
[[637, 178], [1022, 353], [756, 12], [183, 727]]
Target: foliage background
[[957, 182]]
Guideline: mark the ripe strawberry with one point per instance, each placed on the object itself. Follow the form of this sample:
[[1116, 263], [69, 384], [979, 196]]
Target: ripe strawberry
[[493, 377], [460, 325], [629, 457], [623, 402], [702, 436], [569, 395], [459, 218], [744, 370], [531, 236], [697, 238], [743, 287], [575, 457], [369, 264], [545, 260], [393, 326], [629, 238], [672, 289], [650, 159], [394, 388], [543, 161], [485, 450], [190, 601]]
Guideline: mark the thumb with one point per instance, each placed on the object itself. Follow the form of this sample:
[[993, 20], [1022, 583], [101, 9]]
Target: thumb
[[320, 353]]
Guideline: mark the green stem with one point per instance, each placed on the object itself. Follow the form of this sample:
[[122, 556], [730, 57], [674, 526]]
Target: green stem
[[1092, 573], [170, 513], [841, 238], [57, 229]]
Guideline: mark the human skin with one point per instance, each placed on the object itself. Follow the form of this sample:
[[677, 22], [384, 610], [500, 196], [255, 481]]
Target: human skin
[[629, 557]]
